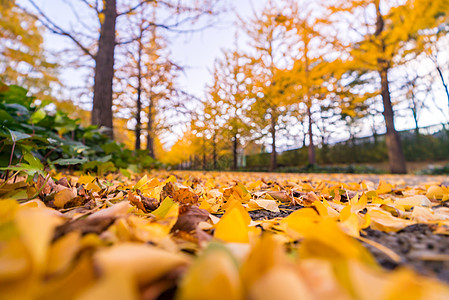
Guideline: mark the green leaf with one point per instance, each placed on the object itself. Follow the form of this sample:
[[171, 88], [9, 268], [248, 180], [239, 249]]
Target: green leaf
[[125, 173], [104, 159], [17, 135], [144, 180], [5, 117], [38, 116], [164, 208], [110, 147], [69, 161], [28, 169], [33, 161]]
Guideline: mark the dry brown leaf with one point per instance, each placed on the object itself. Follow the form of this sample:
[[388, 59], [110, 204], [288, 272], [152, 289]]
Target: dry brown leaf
[[136, 201], [185, 196], [189, 217]]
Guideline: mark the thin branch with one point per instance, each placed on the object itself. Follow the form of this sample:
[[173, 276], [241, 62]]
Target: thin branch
[[50, 25], [134, 8], [96, 8]]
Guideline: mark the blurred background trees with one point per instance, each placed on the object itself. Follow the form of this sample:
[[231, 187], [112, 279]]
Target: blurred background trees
[[309, 79]]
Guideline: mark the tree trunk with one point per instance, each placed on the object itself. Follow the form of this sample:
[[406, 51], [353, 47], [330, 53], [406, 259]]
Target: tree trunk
[[311, 148], [204, 153], [273, 160], [214, 150], [396, 157], [139, 94], [150, 139], [104, 70], [234, 152], [415, 115]]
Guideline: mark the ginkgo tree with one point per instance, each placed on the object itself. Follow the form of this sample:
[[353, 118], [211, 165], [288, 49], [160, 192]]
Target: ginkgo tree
[[147, 76], [383, 35], [23, 60], [270, 52], [100, 44], [232, 90]]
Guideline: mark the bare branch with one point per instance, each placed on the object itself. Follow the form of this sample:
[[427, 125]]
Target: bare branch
[[134, 8], [50, 25], [96, 8]]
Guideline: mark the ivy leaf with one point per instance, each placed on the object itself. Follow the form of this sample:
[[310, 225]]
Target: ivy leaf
[[70, 161], [17, 135]]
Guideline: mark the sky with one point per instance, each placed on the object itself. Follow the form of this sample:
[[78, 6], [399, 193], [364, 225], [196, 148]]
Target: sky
[[195, 51]]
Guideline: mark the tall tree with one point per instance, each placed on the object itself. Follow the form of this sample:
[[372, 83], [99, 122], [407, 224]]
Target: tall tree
[[233, 93], [108, 15], [269, 52], [148, 79], [23, 60], [386, 40]]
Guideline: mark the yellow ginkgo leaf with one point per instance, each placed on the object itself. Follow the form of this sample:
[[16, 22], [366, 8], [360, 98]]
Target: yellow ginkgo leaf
[[85, 179], [301, 219], [279, 283], [266, 253], [269, 205], [113, 286], [384, 188], [384, 221], [93, 187], [14, 261], [435, 192], [326, 240], [64, 196], [36, 226], [143, 181], [62, 252], [143, 262], [234, 203], [416, 200], [214, 275], [232, 227]]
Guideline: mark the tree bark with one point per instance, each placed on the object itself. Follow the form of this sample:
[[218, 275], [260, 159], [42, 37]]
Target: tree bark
[[234, 152], [214, 150], [150, 139], [396, 157], [104, 70], [273, 160], [311, 148], [139, 94], [204, 154], [415, 115]]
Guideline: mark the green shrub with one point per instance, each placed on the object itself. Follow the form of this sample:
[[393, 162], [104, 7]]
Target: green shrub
[[28, 129]]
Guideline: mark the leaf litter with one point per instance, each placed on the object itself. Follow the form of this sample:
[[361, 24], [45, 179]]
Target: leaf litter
[[210, 235]]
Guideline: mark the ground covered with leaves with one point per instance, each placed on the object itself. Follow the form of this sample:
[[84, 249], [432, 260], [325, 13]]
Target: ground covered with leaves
[[198, 235]]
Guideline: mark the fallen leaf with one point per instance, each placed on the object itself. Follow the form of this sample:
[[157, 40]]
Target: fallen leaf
[[36, 226], [214, 275], [189, 217], [279, 283], [435, 192], [144, 263], [232, 227], [63, 197], [136, 201], [185, 196], [416, 200], [269, 205]]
